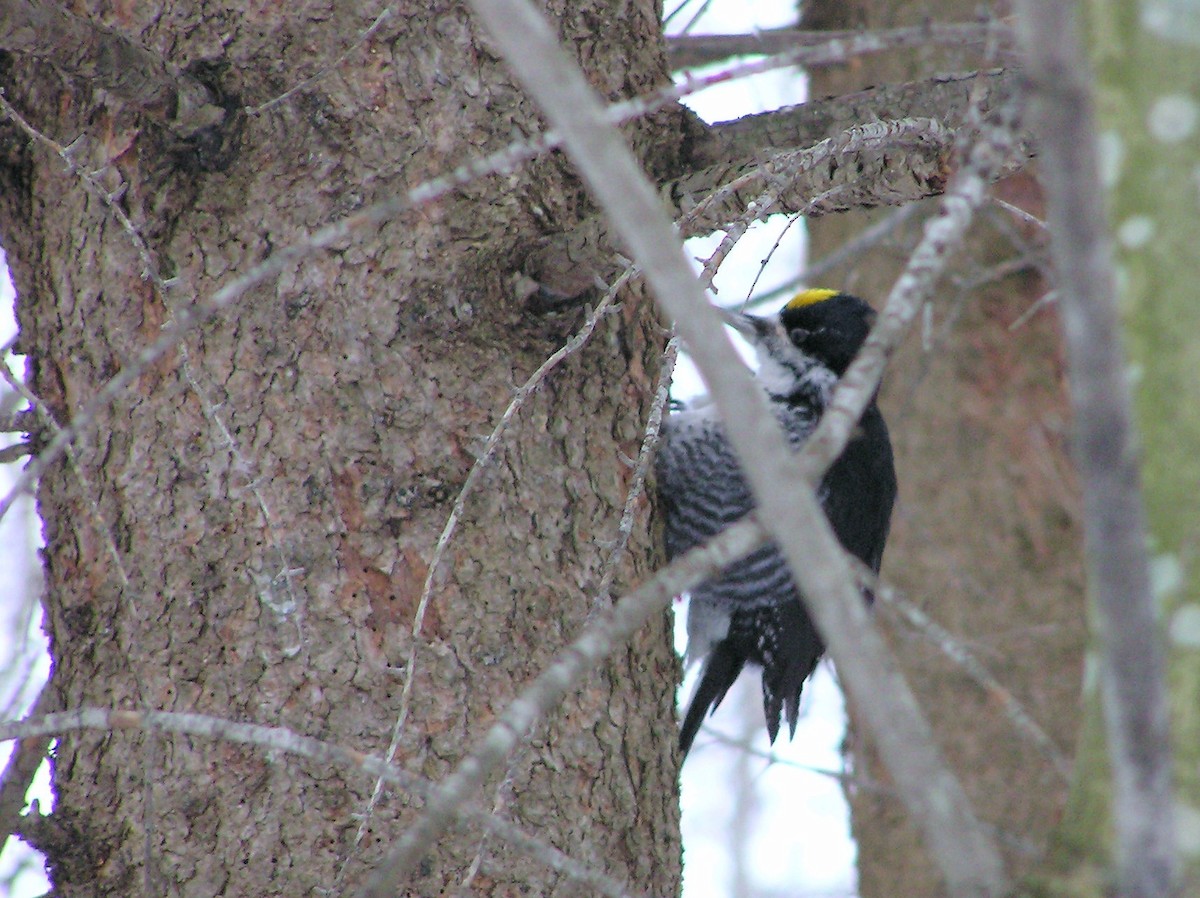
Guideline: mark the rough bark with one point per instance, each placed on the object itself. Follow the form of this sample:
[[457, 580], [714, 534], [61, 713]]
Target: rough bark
[[274, 490]]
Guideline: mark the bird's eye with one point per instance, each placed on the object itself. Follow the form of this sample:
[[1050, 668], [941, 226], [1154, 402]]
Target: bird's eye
[[802, 333]]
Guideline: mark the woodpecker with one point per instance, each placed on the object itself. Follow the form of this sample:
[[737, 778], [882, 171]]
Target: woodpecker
[[752, 611]]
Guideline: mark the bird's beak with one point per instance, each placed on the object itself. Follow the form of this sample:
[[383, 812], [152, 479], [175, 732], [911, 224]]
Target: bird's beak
[[746, 325]]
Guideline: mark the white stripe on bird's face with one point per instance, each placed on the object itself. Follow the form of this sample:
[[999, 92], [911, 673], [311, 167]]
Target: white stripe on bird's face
[[784, 369]]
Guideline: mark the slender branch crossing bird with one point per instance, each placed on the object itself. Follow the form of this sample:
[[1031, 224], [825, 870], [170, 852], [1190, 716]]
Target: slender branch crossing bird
[[752, 611]]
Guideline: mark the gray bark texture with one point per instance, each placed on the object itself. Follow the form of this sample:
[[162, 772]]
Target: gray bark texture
[[260, 507]]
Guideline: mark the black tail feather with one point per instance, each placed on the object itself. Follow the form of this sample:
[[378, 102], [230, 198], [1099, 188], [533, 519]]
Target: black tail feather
[[788, 661], [720, 670], [781, 691], [790, 686]]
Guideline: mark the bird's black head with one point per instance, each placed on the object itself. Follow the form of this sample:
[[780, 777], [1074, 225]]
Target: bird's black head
[[808, 345], [828, 326]]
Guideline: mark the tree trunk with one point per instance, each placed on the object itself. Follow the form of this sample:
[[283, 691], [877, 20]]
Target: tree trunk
[[1144, 68], [259, 509], [985, 537]]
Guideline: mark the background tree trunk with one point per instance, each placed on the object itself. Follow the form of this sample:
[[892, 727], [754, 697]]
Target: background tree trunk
[[975, 400], [260, 509], [1145, 74]]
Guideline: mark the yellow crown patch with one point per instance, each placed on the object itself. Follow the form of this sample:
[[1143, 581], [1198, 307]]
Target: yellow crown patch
[[808, 297]]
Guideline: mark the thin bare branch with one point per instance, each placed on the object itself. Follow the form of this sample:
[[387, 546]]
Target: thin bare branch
[[326, 754], [835, 46], [325, 69], [22, 766], [1133, 689], [662, 397], [110, 198], [772, 758], [953, 648], [1048, 298], [1027, 217], [851, 249]]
